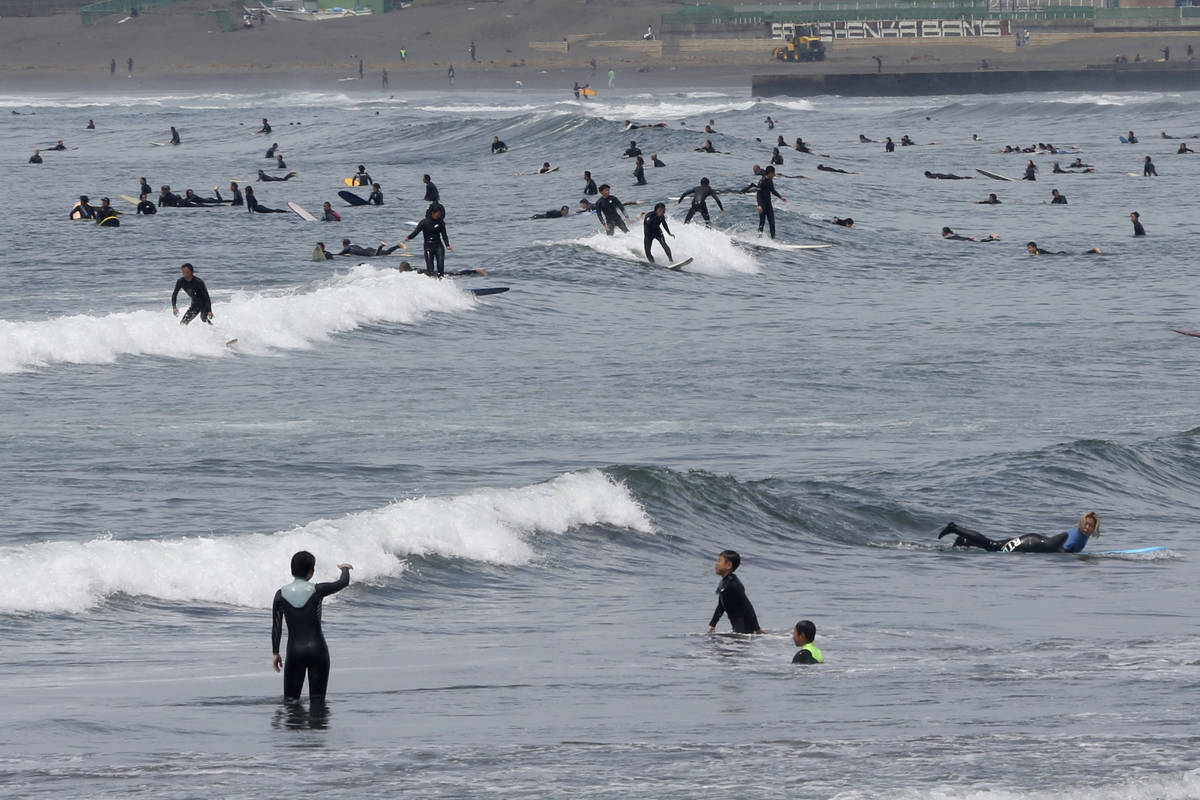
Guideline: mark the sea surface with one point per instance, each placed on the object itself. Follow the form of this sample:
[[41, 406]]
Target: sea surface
[[532, 487]]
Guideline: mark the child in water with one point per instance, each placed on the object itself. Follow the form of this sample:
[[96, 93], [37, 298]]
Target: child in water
[[731, 597], [803, 635]]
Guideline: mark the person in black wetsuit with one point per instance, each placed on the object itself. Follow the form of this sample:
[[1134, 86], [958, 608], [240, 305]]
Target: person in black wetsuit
[[362, 177], [254, 207], [376, 196], [731, 597], [766, 188], [1033, 250], [776, 157], [174, 135], [1030, 171], [706, 148], [36, 158], [1072, 541], [1136, 219], [107, 215], [349, 249], [653, 225], [802, 146], [266, 127], [845, 222], [1057, 198], [802, 636], [700, 195], [958, 237], [143, 187], [554, 213], [633, 151], [271, 150], [824, 168], [1183, 148], [145, 207], [197, 291], [328, 214], [431, 191], [944, 176], [237, 195], [992, 200], [590, 186], [59, 147], [1148, 169], [82, 209], [437, 241], [279, 162], [168, 199], [265, 178], [190, 198], [656, 161], [498, 146], [639, 172], [299, 604], [610, 210], [586, 206]]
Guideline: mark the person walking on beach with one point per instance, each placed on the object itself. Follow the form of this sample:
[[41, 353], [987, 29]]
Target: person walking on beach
[[299, 604], [612, 76], [450, 74]]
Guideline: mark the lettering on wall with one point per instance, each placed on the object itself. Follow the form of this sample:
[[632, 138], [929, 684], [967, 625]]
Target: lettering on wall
[[898, 29]]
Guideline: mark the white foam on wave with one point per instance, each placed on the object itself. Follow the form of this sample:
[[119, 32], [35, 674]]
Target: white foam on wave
[[470, 108], [486, 525], [1174, 786], [714, 252], [651, 110], [216, 100], [261, 322]]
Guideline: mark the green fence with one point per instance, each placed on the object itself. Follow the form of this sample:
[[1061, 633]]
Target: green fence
[[106, 8], [1142, 13], [716, 17]]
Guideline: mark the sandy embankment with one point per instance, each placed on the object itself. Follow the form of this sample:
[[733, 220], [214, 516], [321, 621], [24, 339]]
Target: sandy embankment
[[181, 48]]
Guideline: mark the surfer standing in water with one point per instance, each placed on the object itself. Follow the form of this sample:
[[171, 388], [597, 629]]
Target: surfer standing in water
[[1072, 541], [299, 603], [731, 597], [197, 291]]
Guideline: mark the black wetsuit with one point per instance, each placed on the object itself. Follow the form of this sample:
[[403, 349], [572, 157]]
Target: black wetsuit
[[175, 138], [732, 600], [590, 188], [146, 207], [431, 193], [237, 198], [35, 159], [356, 250], [1030, 173], [1148, 170], [554, 213], [280, 163], [804, 657], [436, 239], [652, 229], [375, 198], [255, 207], [107, 216], [610, 210], [262, 176], [83, 211], [170, 200], [659, 162], [1027, 543], [700, 195], [632, 152], [266, 128], [941, 176], [306, 648], [824, 168], [362, 179], [1138, 230], [271, 151], [144, 189], [201, 303], [639, 172], [766, 188], [1060, 200], [499, 147]]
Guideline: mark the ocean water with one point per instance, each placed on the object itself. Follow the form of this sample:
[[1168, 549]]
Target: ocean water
[[532, 487]]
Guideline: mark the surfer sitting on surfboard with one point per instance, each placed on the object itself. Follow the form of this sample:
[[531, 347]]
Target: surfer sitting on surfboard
[[1072, 541]]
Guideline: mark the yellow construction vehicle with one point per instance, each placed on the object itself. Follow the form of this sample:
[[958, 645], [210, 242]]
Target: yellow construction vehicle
[[803, 45]]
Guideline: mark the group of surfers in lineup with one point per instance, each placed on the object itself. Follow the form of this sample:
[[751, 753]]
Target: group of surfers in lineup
[[297, 605]]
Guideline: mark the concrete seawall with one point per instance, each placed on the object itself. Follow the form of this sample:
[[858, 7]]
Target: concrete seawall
[[903, 84]]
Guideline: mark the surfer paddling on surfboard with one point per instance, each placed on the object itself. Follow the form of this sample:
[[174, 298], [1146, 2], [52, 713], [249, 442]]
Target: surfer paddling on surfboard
[[1072, 541]]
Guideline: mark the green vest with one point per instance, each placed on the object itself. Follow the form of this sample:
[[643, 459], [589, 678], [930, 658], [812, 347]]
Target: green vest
[[814, 651]]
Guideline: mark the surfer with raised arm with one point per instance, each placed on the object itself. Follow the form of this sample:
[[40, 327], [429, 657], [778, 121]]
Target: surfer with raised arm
[[299, 605]]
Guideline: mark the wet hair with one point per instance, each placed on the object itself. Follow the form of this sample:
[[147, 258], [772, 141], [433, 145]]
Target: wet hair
[[733, 558], [303, 564], [807, 629], [604, 186], [1135, 214], [361, 168], [946, 229], [1031, 244], [1092, 515], [660, 206], [425, 177], [704, 181], [187, 265], [345, 242], [587, 173], [769, 169]]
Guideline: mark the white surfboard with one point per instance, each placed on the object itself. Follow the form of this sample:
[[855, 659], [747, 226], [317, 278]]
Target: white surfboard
[[300, 212]]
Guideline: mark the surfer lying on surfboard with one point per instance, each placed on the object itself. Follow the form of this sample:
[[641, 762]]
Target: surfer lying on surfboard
[[1072, 541]]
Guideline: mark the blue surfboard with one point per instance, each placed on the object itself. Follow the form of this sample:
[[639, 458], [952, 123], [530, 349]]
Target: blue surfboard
[[1129, 552]]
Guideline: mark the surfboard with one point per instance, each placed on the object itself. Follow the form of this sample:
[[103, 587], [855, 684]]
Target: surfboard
[[992, 175], [1123, 140], [158, 144], [108, 222], [129, 199], [678, 265], [351, 182], [588, 92], [1131, 551], [318, 255], [231, 343], [351, 198], [489, 290], [300, 212], [1187, 333], [803, 246]]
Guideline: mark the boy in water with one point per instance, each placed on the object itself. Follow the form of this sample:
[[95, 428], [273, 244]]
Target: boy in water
[[731, 597], [803, 635], [299, 605]]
